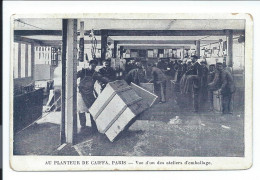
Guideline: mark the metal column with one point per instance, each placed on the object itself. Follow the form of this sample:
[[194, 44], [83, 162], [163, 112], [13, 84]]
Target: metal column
[[229, 60]]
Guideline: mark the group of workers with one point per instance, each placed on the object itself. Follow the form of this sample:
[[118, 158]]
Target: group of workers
[[192, 75]]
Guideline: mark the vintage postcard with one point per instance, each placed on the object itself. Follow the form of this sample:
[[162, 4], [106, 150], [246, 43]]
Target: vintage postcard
[[131, 92]]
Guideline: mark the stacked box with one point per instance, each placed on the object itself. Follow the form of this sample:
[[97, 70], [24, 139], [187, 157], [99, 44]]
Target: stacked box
[[115, 108]]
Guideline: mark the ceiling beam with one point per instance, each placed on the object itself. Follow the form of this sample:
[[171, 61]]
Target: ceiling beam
[[27, 40], [171, 32], [155, 47], [156, 42], [133, 32]]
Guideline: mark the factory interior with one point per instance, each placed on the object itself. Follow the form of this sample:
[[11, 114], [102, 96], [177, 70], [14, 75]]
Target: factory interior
[[48, 53]]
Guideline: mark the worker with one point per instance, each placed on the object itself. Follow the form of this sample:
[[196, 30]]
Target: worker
[[223, 80], [86, 98], [195, 77], [203, 78], [159, 80], [130, 65], [180, 70], [136, 75], [108, 73], [162, 64], [211, 75]]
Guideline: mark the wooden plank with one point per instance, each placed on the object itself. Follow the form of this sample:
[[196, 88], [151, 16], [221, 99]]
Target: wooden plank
[[63, 90], [71, 82]]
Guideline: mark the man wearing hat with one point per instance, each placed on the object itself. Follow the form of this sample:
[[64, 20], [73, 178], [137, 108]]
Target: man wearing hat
[[211, 75], [227, 87], [86, 98], [108, 73], [197, 74], [224, 82], [136, 75]]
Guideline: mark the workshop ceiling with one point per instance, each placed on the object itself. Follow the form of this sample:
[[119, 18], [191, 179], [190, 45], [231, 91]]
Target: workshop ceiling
[[133, 24]]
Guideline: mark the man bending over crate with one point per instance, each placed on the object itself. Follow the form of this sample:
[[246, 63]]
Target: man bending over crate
[[88, 77]]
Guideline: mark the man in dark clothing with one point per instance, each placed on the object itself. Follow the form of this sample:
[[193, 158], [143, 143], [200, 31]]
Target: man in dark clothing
[[198, 76], [211, 75], [227, 88], [223, 81], [159, 80], [162, 64], [88, 77], [136, 75], [108, 73]]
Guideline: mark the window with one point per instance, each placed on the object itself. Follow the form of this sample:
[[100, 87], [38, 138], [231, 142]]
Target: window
[[22, 60], [29, 60], [15, 60], [24, 55]]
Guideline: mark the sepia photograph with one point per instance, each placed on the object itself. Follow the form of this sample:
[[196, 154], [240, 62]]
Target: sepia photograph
[[110, 89]]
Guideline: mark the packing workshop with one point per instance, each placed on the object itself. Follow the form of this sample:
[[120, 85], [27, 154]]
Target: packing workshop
[[128, 87]]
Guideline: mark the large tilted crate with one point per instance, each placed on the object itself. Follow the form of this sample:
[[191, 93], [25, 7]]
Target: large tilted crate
[[115, 108], [144, 91], [148, 86]]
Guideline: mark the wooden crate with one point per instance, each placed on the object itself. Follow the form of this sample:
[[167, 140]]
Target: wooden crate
[[217, 101], [148, 86], [147, 96], [115, 107]]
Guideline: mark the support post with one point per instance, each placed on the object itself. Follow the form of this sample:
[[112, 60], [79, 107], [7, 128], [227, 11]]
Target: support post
[[103, 44], [81, 42], [63, 88], [32, 60], [71, 83], [26, 60], [183, 52], [115, 49], [19, 61], [198, 49], [229, 61], [121, 51]]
